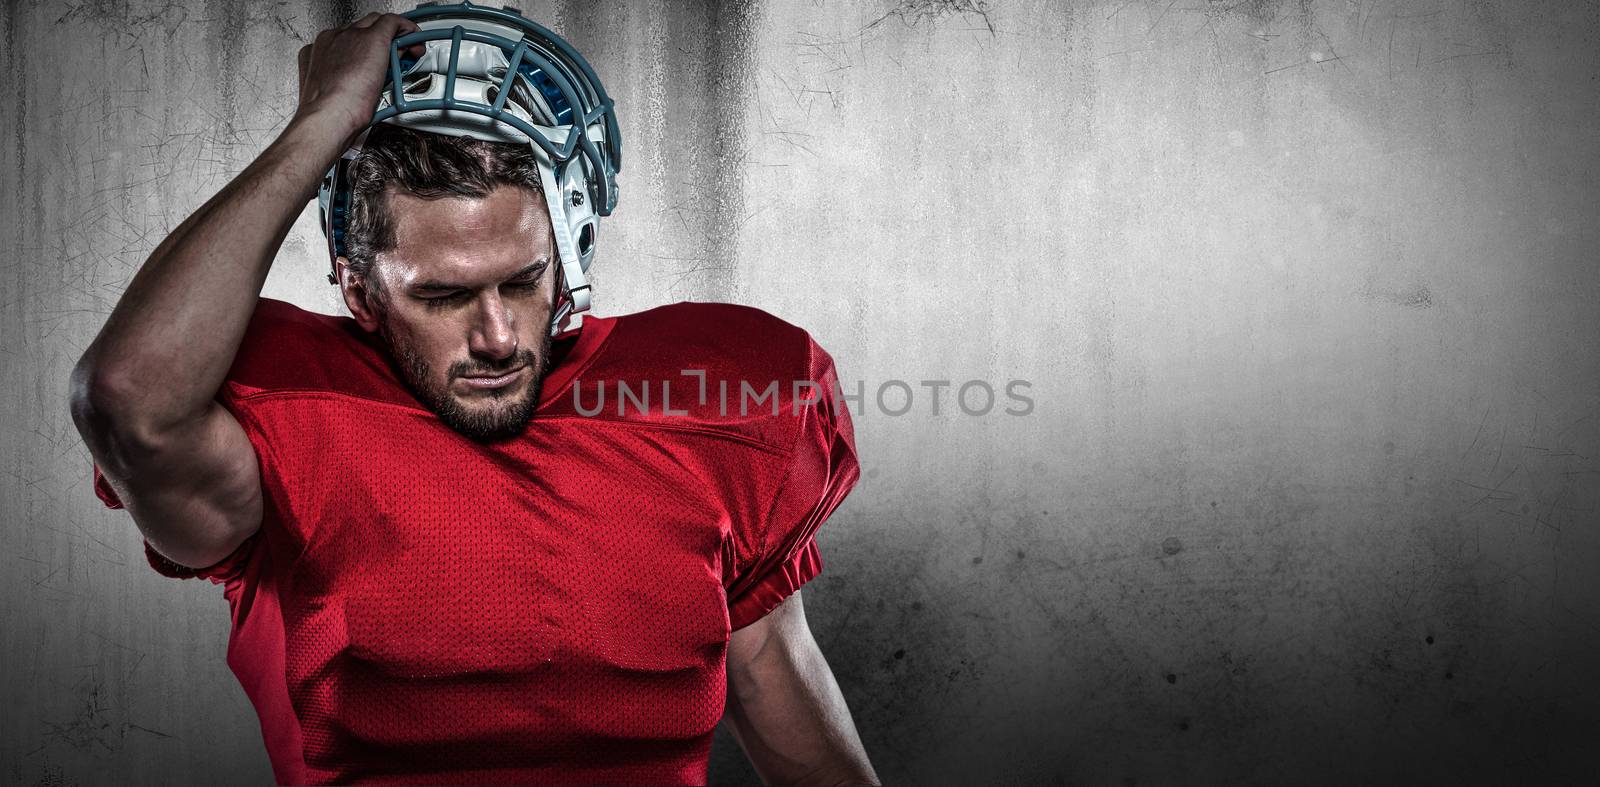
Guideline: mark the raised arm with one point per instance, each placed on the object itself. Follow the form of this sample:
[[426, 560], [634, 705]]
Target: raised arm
[[143, 394]]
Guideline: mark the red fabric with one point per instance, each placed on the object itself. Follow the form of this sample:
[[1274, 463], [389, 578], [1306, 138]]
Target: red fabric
[[419, 608]]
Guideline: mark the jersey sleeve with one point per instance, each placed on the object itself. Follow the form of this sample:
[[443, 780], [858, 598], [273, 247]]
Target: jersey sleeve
[[219, 573], [283, 346], [820, 471]]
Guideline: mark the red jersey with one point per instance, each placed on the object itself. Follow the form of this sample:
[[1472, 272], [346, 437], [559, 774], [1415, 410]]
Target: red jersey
[[418, 607]]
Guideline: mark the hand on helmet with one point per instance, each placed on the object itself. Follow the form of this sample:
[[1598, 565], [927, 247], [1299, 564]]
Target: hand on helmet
[[343, 70]]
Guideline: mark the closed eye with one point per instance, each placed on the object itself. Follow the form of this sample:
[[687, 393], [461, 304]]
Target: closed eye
[[530, 281], [434, 303]]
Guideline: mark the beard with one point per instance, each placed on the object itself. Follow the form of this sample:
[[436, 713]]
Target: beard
[[496, 414]]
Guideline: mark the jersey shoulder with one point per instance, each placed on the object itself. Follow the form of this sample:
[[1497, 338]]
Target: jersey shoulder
[[286, 348], [735, 338], [705, 365]]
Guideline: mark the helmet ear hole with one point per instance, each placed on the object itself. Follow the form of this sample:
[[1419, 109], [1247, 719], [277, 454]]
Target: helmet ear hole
[[418, 85], [586, 239]]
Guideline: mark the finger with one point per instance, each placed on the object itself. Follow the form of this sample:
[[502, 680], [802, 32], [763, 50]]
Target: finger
[[403, 27], [368, 20], [399, 25], [415, 50]]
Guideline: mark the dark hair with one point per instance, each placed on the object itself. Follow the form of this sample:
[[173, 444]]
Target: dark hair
[[427, 165]]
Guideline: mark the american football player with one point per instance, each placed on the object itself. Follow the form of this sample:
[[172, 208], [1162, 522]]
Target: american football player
[[439, 568]]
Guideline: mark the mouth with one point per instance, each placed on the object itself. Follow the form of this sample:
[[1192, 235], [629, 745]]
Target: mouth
[[486, 382]]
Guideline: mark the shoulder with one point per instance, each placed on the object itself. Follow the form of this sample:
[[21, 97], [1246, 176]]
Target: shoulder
[[284, 322], [710, 365], [744, 338], [287, 347]]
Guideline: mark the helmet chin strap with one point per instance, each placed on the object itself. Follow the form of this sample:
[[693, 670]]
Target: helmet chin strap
[[574, 281]]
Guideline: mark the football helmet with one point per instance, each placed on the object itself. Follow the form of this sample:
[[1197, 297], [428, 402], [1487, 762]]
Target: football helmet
[[491, 74]]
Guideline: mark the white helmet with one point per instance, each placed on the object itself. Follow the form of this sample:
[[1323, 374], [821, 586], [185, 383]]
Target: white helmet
[[493, 75]]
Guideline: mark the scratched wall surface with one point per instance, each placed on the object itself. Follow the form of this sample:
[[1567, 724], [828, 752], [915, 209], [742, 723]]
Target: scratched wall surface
[[1305, 292]]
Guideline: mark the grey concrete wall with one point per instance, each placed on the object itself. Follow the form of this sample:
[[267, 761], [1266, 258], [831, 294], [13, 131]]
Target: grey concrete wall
[[1306, 293]]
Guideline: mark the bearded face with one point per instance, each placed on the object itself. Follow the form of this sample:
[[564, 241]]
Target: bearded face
[[465, 301]]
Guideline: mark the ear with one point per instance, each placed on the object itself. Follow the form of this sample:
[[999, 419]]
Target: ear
[[358, 296]]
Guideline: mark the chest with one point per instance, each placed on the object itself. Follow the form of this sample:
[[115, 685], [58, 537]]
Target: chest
[[584, 545]]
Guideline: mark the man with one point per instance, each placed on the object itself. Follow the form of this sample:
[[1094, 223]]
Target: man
[[444, 564]]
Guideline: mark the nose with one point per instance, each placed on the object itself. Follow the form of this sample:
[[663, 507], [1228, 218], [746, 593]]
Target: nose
[[494, 334]]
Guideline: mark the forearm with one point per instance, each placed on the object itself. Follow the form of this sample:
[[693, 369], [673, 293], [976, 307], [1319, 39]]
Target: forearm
[[788, 714], [170, 340]]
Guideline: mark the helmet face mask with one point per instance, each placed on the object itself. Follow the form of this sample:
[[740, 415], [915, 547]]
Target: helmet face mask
[[493, 75]]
